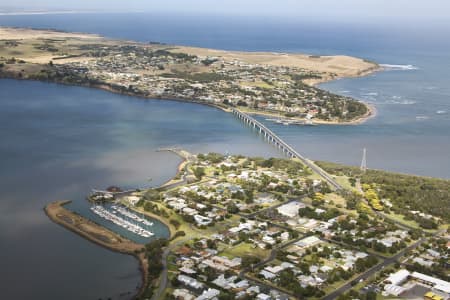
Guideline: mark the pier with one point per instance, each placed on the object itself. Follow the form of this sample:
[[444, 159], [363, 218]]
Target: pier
[[274, 139]]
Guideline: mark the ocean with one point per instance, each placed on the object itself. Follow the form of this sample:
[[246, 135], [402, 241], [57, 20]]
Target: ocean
[[58, 142]]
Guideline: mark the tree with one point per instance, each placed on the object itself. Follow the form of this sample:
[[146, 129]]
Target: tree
[[199, 172], [249, 260], [232, 208], [242, 103], [175, 223], [152, 195], [371, 295]]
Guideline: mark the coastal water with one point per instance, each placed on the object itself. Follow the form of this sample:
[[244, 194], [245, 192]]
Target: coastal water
[[58, 142], [409, 133]]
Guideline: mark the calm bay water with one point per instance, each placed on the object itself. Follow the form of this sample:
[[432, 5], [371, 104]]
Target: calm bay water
[[58, 142], [410, 132]]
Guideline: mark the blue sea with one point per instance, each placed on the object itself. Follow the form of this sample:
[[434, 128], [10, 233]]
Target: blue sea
[[58, 142]]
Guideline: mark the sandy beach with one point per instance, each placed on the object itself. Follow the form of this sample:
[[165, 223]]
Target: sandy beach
[[341, 65]]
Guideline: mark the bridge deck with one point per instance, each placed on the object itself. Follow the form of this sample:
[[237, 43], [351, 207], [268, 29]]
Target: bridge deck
[[287, 148]]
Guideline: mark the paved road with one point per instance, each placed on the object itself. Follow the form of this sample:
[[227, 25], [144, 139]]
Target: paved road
[[163, 282], [272, 256], [276, 139], [372, 271]]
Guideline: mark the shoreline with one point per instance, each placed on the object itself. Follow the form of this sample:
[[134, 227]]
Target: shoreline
[[109, 239], [371, 109], [371, 113], [100, 236], [105, 87], [68, 219], [184, 155], [180, 168], [332, 67]]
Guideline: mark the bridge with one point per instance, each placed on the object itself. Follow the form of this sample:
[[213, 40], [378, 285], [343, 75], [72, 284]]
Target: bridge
[[283, 146]]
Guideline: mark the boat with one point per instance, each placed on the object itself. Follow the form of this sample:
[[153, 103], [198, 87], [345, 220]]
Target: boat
[[114, 218], [123, 211]]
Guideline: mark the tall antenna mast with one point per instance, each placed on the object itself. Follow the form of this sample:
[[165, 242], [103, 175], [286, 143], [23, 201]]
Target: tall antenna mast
[[364, 161]]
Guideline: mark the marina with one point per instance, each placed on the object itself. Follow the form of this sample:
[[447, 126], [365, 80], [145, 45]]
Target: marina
[[131, 215], [114, 217]]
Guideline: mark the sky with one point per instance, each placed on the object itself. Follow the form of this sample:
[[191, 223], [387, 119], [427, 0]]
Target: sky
[[359, 9]]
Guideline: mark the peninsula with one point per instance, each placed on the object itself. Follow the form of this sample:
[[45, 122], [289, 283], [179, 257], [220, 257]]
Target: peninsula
[[276, 84], [254, 228]]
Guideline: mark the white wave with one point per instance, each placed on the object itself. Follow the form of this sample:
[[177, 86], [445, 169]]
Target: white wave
[[422, 117], [396, 97], [370, 94], [399, 67], [403, 102], [369, 99], [343, 92], [441, 112]]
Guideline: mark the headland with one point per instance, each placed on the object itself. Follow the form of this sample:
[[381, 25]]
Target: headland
[[281, 84]]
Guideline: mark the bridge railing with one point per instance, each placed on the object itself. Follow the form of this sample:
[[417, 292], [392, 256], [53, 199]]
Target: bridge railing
[[286, 146]]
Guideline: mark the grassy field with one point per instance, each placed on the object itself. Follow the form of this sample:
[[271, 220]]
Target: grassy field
[[260, 84], [401, 219], [243, 249]]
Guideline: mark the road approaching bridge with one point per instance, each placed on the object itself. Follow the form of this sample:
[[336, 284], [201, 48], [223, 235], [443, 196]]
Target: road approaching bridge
[[285, 147]]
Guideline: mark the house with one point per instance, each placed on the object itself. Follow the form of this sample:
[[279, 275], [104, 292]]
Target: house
[[284, 236], [267, 275], [423, 262], [262, 296], [274, 270], [223, 282], [290, 209], [243, 284], [189, 211], [208, 294], [308, 242], [190, 282], [133, 200], [221, 263], [182, 294], [268, 240], [201, 220], [188, 271], [253, 289]]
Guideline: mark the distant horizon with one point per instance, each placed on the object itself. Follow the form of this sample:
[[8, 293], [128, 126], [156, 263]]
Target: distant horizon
[[433, 11], [387, 21]]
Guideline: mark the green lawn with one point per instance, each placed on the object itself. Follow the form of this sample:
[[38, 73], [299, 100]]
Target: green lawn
[[243, 249], [401, 219]]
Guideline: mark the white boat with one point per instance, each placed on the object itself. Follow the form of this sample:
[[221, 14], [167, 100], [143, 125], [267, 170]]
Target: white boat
[[136, 229], [129, 214]]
